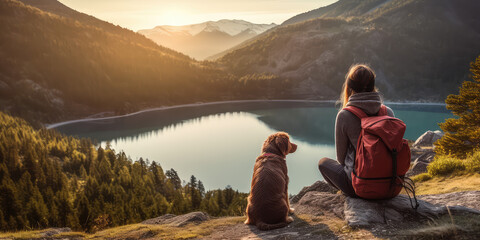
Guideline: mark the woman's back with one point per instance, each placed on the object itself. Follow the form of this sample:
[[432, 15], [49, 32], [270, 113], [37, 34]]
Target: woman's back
[[347, 127]]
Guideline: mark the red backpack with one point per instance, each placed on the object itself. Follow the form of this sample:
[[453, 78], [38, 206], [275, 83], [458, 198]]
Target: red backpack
[[382, 156]]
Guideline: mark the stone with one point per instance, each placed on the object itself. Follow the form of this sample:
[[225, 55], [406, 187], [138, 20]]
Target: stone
[[179, 221], [469, 199], [320, 203], [359, 212], [159, 220], [428, 139], [319, 186], [364, 213], [421, 162], [54, 231]]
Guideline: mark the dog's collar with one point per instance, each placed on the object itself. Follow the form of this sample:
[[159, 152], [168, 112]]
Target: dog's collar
[[271, 154]]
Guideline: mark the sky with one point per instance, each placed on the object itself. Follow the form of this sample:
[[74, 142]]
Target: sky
[[146, 14]]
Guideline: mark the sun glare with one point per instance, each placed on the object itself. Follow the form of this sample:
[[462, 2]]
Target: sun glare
[[173, 16]]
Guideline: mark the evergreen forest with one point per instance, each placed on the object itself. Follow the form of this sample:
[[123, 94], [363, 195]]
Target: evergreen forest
[[51, 180]]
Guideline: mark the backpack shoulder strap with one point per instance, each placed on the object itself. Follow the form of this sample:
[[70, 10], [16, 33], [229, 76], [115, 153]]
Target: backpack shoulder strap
[[383, 111], [357, 111]]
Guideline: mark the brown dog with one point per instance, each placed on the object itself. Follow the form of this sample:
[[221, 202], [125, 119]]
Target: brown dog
[[268, 205]]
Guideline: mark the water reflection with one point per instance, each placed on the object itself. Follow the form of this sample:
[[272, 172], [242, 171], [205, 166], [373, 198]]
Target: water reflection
[[219, 143], [135, 125]]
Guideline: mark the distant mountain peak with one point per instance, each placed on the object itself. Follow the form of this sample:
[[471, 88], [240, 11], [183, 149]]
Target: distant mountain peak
[[231, 27], [205, 39]]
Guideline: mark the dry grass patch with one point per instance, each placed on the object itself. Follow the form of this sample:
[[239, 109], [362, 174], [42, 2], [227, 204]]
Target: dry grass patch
[[21, 235], [448, 184], [336, 226], [137, 231], [71, 235], [448, 227], [165, 231]]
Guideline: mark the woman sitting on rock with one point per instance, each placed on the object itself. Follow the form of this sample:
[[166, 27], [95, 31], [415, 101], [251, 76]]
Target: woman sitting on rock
[[358, 91]]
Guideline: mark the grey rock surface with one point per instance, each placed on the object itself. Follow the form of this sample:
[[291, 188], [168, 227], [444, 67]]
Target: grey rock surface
[[428, 138], [359, 212], [470, 199], [421, 162], [53, 231], [179, 221], [363, 213], [320, 203], [319, 186]]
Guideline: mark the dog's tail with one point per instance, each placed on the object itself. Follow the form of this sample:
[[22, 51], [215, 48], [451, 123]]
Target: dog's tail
[[265, 226]]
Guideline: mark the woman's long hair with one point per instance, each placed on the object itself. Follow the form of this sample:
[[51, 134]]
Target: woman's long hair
[[360, 78]]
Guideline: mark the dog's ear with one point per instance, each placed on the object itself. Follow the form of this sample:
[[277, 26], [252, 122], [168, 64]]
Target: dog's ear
[[267, 145], [282, 142]]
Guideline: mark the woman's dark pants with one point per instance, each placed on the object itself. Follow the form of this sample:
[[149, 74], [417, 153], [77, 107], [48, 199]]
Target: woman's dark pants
[[334, 174]]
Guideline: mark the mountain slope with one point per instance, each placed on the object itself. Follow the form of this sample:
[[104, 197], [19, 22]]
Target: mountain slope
[[205, 39], [420, 49], [62, 67], [342, 8], [57, 8]]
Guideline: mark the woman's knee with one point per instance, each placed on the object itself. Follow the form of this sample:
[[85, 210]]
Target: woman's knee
[[322, 163]]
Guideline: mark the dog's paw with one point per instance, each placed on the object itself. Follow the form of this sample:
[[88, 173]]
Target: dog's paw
[[289, 219], [291, 210], [247, 221]]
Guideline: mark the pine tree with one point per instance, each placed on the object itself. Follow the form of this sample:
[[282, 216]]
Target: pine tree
[[65, 209], [195, 197], [37, 211], [462, 135], [174, 178], [83, 211], [9, 202], [229, 195], [201, 188], [3, 223]]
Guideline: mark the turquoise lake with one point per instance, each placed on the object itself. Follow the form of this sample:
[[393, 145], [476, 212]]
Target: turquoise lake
[[219, 142]]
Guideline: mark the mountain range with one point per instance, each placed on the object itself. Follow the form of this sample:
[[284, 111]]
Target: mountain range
[[420, 49], [205, 39], [59, 64]]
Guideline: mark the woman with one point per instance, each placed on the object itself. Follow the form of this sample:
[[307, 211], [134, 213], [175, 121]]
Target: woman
[[359, 91]]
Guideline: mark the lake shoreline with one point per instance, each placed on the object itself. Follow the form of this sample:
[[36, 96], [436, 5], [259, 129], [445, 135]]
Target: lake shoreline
[[199, 104]]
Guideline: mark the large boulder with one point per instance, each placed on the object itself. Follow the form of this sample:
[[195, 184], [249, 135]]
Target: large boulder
[[469, 199], [363, 213], [428, 139], [320, 203], [319, 186], [179, 221], [359, 212]]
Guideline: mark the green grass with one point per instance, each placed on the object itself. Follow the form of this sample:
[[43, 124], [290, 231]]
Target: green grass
[[445, 165]]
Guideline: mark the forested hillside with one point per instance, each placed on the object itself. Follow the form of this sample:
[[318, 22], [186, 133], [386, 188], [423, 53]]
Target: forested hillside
[[53, 67], [50, 180], [342, 8], [420, 49], [58, 67]]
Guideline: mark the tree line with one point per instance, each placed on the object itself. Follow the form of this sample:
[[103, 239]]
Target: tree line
[[51, 180]]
